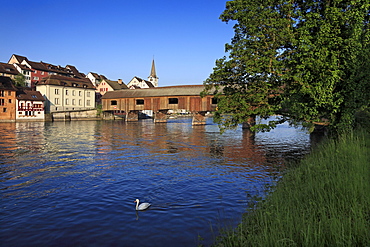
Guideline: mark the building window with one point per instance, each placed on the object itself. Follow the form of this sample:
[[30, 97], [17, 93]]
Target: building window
[[42, 73], [87, 102], [73, 93], [56, 91], [113, 102], [73, 102], [80, 102], [4, 109], [139, 102], [214, 101], [66, 91], [10, 101], [67, 101], [9, 93], [2, 102], [88, 94], [2, 93], [79, 93], [56, 101], [173, 101]]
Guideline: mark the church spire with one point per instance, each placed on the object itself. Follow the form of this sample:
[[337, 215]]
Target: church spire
[[153, 75], [152, 72]]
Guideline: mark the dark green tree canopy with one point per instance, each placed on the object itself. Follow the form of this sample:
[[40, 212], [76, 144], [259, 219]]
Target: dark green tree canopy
[[305, 60], [20, 80]]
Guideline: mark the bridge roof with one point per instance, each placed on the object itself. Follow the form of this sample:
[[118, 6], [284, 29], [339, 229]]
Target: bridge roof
[[188, 90]]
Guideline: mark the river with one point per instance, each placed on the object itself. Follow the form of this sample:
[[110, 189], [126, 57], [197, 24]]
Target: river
[[74, 183]]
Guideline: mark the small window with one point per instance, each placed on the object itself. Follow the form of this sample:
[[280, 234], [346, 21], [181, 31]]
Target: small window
[[113, 102], [214, 101], [10, 101], [173, 101], [139, 102], [66, 92], [4, 109]]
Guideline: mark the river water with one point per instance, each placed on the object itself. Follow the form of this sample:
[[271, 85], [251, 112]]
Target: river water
[[74, 183]]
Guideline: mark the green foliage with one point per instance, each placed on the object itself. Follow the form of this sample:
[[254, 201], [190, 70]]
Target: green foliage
[[305, 59], [20, 80], [324, 201]]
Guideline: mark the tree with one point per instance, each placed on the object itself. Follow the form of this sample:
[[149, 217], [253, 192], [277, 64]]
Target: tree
[[20, 80], [298, 58]]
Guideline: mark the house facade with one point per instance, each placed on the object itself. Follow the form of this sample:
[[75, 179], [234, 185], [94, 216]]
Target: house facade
[[7, 99], [95, 78], [24, 70], [108, 85], [63, 93], [29, 105]]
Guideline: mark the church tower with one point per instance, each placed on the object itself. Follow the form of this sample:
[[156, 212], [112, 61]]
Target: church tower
[[153, 76]]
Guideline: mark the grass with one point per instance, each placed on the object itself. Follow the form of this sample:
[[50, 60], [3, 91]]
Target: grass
[[324, 201]]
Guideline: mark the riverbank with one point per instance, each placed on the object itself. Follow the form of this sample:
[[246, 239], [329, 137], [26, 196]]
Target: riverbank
[[324, 201]]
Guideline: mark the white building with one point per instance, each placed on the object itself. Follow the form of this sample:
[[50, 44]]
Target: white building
[[29, 105], [65, 93]]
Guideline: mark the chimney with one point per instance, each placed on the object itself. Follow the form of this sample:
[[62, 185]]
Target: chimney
[[119, 81]]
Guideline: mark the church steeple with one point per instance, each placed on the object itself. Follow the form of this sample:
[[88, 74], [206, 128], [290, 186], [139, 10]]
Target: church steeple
[[153, 75]]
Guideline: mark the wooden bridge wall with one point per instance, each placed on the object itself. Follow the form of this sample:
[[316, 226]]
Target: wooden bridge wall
[[189, 103]]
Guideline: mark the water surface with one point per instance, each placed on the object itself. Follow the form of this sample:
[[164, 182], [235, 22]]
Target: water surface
[[74, 183]]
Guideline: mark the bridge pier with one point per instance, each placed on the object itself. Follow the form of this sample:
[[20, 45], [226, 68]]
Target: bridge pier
[[132, 116], [250, 122], [199, 118], [160, 116]]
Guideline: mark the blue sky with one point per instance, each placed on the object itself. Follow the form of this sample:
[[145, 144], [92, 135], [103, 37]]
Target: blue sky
[[119, 38]]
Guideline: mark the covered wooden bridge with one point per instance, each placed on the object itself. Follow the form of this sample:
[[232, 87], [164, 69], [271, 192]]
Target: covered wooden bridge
[[160, 100]]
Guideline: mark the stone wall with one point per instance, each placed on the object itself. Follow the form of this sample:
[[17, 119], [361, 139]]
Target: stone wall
[[76, 115]]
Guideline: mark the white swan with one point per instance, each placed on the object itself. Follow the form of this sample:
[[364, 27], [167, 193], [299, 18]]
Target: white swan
[[142, 206]]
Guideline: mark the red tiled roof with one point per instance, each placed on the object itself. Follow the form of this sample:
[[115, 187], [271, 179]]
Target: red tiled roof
[[66, 81], [26, 94], [8, 69], [7, 83]]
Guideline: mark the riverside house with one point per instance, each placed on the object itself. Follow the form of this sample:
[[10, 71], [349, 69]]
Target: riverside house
[[38, 70], [30, 105], [66, 93], [7, 99]]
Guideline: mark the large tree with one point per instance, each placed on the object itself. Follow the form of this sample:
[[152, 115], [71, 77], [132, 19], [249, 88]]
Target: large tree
[[307, 60]]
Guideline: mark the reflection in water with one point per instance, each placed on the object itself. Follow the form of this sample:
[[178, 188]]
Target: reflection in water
[[73, 183]]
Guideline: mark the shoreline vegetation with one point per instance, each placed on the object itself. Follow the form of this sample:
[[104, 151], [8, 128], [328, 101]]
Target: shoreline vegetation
[[324, 200]]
